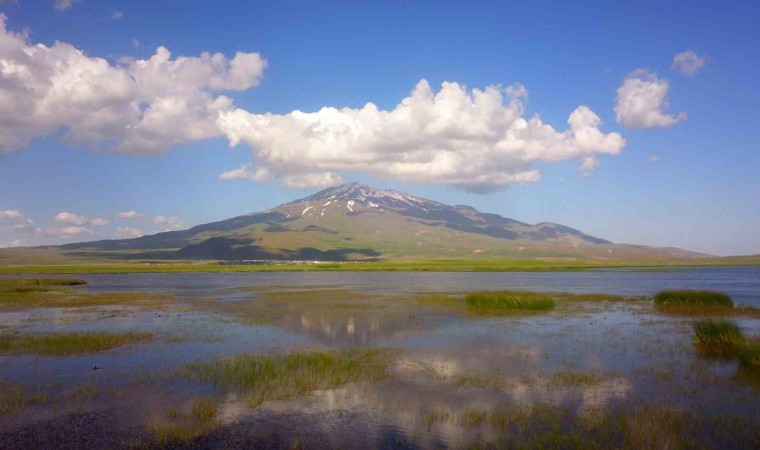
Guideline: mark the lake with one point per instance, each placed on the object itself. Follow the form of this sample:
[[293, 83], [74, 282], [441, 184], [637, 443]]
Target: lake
[[377, 360]]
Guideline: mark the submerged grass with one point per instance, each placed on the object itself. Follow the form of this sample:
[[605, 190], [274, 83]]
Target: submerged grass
[[36, 284], [15, 395], [182, 426], [692, 298], [508, 301], [65, 344], [645, 427], [71, 299], [718, 338], [284, 376]]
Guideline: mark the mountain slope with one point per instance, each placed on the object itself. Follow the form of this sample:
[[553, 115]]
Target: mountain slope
[[355, 221]]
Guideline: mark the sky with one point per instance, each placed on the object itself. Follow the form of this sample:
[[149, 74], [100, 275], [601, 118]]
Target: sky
[[635, 122]]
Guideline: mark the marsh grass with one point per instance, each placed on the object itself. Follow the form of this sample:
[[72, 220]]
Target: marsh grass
[[718, 338], [691, 298], [16, 395], [66, 344], [36, 284], [749, 362], [180, 427], [73, 299], [490, 302], [645, 427], [290, 375]]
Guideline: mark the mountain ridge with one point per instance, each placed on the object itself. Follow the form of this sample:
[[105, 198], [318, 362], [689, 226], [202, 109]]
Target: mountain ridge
[[354, 221]]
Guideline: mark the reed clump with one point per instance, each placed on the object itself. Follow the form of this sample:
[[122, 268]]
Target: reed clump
[[290, 375], [37, 284], [66, 344], [693, 298], [718, 338], [508, 301]]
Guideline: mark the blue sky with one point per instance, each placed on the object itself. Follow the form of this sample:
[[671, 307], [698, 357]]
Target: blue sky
[[669, 180]]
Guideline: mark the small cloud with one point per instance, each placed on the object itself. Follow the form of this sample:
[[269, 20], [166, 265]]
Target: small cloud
[[116, 15], [129, 214], [243, 173], [688, 63], [15, 243], [642, 101], [311, 180], [64, 5], [64, 232], [12, 219], [168, 222], [653, 158], [135, 43], [129, 232], [588, 165], [73, 219]]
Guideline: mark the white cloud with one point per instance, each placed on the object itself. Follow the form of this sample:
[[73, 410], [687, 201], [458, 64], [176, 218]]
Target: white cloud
[[653, 158], [475, 140], [131, 106], [168, 222], [73, 219], [14, 243], [63, 5], [116, 15], [129, 215], [588, 165], [129, 232], [642, 101], [310, 180], [12, 219], [243, 173], [66, 232], [688, 63]]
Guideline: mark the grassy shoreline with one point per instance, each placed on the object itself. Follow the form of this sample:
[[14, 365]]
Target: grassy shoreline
[[110, 267]]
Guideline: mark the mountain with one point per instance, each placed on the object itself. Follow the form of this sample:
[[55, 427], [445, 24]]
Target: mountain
[[357, 222]]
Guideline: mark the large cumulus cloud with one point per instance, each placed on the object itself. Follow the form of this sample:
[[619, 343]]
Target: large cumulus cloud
[[133, 105], [478, 140]]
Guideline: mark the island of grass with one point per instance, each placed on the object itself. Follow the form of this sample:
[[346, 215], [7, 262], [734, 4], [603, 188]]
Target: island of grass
[[8, 285], [693, 301], [24, 293], [718, 338], [66, 344], [508, 301], [285, 376]]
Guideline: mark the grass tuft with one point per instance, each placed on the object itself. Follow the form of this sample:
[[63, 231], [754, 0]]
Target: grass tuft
[[181, 427], [718, 338], [36, 284], [65, 344], [690, 298], [508, 301], [750, 356], [16, 395], [284, 376]]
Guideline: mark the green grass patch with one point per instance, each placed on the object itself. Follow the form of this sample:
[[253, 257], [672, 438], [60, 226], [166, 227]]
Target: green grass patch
[[290, 375], [73, 299], [749, 362], [65, 344], [718, 338], [489, 302], [15, 395], [691, 298], [36, 284], [180, 427]]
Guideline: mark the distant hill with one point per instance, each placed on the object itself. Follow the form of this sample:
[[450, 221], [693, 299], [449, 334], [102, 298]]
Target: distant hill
[[358, 222]]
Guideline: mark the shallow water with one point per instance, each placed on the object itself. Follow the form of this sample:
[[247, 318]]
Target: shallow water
[[616, 356]]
